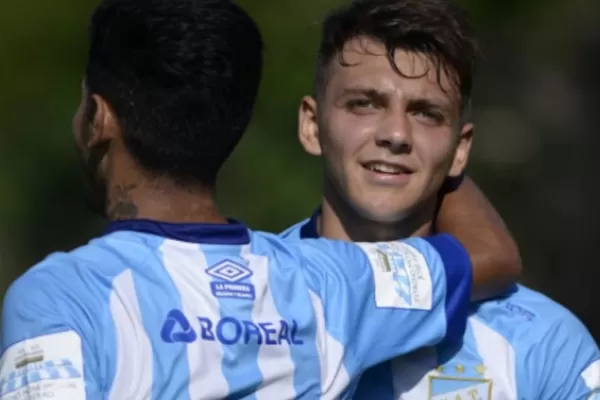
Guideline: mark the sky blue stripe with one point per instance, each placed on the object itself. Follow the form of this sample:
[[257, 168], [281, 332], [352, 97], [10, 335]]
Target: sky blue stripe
[[292, 306], [154, 307], [110, 346], [96, 251]]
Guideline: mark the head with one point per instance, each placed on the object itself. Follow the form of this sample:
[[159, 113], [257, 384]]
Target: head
[[389, 111], [169, 89]]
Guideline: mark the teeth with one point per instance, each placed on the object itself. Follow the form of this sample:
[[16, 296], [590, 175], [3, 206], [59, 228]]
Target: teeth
[[384, 168]]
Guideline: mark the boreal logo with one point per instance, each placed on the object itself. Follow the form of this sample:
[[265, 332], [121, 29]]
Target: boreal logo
[[229, 277], [177, 328]]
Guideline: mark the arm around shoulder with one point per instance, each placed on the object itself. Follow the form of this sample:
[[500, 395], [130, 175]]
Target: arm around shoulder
[[419, 289], [469, 216]]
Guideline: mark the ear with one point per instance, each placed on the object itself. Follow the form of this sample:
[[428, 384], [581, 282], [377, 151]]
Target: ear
[[308, 128], [463, 149], [103, 120]]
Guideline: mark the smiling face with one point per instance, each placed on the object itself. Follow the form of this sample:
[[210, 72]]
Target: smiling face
[[389, 135]]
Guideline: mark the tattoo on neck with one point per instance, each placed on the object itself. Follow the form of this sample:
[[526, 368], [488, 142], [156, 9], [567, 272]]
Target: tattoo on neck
[[122, 205]]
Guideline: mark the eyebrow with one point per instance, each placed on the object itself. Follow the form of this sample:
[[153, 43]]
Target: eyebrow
[[426, 102], [361, 90]]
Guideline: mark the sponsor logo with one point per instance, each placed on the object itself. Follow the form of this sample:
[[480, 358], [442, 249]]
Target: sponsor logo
[[229, 280], [177, 328]]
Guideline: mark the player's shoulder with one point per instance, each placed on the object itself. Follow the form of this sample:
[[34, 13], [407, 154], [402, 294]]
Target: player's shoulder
[[278, 245], [525, 316], [75, 273], [290, 252], [294, 231], [322, 251]]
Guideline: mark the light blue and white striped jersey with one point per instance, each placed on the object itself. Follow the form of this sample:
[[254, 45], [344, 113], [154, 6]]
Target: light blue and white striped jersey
[[521, 346], [166, 311]]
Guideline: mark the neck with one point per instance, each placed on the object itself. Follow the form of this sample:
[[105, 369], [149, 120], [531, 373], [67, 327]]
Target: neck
[[340, 221], [161, 201]]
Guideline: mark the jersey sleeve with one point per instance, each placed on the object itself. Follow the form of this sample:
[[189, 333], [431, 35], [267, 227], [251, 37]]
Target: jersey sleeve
[[44, 347], [561, 363], [383, 300]]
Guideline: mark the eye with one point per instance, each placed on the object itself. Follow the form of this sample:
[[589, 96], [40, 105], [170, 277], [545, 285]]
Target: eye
[[429, 116], [359, 103]]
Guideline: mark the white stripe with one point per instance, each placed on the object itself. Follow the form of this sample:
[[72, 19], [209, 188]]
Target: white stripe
[[591, 377], [275, 362], [498, 356], [133, 375], [186, 263], [334, 376]]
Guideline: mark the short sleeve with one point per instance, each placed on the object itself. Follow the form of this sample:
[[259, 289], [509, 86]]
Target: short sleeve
[[383, 300], [44, 348], [562, 363]]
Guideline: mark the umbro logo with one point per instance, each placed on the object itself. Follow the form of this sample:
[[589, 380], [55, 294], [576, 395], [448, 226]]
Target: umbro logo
[[229, 277], [229, 271]]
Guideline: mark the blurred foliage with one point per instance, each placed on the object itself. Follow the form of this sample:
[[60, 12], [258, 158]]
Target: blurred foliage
[[537, 95]]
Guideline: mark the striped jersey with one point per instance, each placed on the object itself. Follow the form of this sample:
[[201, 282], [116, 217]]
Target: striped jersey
[[520, 346], [206, 311]]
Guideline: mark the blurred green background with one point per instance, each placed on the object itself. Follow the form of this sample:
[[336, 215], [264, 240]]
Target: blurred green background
[[537, 98]]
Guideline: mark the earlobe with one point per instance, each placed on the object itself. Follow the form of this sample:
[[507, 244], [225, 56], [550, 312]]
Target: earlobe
[[463, 149], [308, 128]]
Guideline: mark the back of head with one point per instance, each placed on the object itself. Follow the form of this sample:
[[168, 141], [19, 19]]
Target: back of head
[[439, 29], [181, 77]]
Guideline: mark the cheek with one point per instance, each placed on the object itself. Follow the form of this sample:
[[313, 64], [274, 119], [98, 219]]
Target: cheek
[[345, 135], [435, 150]]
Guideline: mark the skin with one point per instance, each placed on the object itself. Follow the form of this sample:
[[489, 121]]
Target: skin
[[118, 187], [388, 142], [468, 214]]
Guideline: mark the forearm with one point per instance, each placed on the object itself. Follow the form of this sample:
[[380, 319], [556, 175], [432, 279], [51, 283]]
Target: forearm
[[469, 216]]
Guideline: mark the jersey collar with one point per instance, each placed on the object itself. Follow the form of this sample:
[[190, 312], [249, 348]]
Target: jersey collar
[[234, 232], [309, 229]]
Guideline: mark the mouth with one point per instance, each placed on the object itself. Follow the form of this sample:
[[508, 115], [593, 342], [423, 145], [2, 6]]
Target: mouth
[[386, 168], [388, 174]]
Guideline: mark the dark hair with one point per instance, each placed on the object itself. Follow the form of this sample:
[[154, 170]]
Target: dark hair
[[439, 29], [182, 78]]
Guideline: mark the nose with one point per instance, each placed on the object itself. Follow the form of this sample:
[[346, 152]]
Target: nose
[[395, 133]]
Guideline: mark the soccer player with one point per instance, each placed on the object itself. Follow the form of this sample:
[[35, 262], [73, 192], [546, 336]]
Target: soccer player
[[389, 118], [175, 301]]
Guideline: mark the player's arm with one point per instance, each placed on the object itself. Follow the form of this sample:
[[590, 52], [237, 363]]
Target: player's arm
[[469, 216], [560, 363], [44, 347], [382, 300]]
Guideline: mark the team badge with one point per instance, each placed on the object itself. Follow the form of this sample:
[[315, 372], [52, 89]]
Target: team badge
[[459, 383]]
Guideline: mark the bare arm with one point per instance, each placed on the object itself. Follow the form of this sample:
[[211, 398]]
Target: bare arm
[[469, 216]]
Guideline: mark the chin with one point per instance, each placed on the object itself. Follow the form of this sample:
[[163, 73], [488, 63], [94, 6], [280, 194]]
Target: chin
[[381, 214]]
